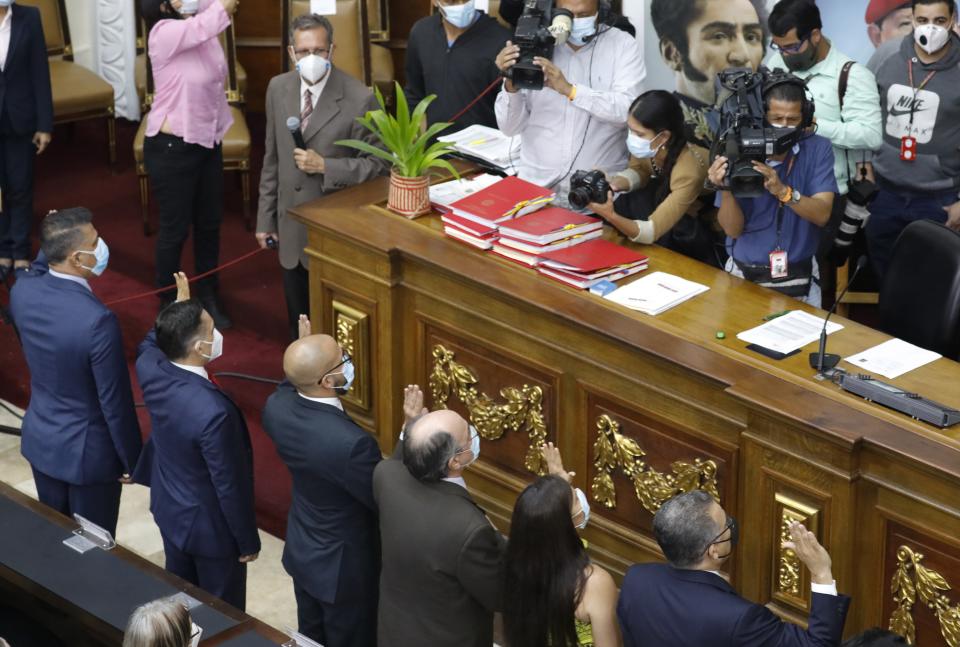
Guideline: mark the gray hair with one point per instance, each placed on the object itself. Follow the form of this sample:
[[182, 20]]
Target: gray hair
[[310, 21], [60, 232], [161, 623], [427, 458], [684, 528]]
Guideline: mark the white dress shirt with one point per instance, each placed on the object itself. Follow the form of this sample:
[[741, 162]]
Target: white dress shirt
[[199, 370], [70, 277], [825, 589], [559, 136], [315, 90], [333, 402], [457, 480], [5, 26]]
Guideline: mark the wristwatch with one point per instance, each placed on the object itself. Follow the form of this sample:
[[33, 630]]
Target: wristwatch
[[794, 196]]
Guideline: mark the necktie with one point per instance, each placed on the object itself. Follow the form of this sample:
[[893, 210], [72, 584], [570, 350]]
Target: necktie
[[307, 109]]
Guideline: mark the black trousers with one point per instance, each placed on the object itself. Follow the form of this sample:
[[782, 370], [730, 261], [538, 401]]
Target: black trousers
[[337, 625], [225, 577], [98, 503], [17, 153], [296, 290], [187, 181]]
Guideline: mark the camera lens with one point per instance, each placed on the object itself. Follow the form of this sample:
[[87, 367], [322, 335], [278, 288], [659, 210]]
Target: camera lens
[[579, 197]]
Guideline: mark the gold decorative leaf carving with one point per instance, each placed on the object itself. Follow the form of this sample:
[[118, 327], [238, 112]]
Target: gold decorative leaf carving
[[521, 413], [912, 581], [612, 450], [351, 330], [791, 584]]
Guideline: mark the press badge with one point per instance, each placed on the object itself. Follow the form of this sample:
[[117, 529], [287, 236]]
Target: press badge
[[908, 148], [778, 264]]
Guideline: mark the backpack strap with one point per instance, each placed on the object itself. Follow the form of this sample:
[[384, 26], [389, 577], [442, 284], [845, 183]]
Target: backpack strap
[[842, 85]]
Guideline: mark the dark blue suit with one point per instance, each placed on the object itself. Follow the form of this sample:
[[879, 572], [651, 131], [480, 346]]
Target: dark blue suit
[[662, 606], [26, 107], [198, 463], [80, 432], [332, 548]]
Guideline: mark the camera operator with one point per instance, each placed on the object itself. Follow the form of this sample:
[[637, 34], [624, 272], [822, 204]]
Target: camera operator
[[579, 118], [664, 181], [772, 239]]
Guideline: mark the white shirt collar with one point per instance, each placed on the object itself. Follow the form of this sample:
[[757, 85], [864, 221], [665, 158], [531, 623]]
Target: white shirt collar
[[458, 480], [333, 402], [70, 277], [199, 370], [315, 90]]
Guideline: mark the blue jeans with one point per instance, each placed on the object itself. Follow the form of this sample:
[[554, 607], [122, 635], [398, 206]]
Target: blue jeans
[[893, 209]]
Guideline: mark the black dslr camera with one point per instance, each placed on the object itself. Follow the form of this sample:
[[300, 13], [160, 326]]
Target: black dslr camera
[[539, 29], [587, 187], [859, 196], [744, 136]]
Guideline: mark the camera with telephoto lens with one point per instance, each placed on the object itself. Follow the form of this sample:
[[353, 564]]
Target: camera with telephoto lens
[[540, 28], [587, 187], [745, 136], [859, 196]]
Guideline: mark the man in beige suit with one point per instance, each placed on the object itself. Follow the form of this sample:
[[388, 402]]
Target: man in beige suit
[[327, 102]]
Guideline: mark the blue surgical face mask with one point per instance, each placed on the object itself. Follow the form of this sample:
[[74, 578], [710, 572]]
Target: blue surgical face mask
[[101, 253], [582, 29], [349, 372], [641, 148], [475, 443], [585, 506], [460, 15]]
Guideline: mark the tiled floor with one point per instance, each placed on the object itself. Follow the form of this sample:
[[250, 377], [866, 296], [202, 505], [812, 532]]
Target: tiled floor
[[269, 588]]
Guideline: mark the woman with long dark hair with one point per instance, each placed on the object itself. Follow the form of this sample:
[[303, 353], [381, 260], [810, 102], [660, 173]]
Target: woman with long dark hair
[[663, 184], [554, 596]]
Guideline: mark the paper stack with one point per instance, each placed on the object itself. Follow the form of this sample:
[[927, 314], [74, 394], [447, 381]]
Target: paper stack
[[588, 263], [486, 145], [656, 293], [526, 239]]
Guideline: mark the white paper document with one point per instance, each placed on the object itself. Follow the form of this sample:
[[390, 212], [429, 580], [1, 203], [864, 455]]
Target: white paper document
[[656, 293], [323, 7], [446, 193], [892, 359], [788, 333], [487, 144]]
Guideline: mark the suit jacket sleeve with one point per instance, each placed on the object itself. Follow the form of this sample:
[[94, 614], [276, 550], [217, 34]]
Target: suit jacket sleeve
[[40, 72], [112, 379], [340, 172], [480, 566], [267, 211], [358, 475], [759, 626], [230, 472]]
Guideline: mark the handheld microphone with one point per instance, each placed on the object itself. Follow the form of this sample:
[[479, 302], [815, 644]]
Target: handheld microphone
[[821, 360], [293, 125]]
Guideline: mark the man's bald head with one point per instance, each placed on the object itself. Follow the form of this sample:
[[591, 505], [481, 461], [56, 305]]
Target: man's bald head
[[307, 360], [432, 441]]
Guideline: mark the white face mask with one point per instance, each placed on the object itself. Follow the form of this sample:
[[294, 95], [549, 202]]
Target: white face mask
[[582, 29], [931, 38], [585, 506], [641, 148], [189, 7], [313, 68], [216, 345]]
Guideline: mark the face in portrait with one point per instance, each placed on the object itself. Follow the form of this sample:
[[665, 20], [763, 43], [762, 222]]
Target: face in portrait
[[701, 38], [893, 25]]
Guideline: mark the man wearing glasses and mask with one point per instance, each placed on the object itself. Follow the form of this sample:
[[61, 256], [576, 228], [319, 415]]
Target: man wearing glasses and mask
[[697, 537], [322, 103], [332, 549]]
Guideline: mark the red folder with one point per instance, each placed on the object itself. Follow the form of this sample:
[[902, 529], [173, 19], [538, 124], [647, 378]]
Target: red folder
[[550, 224], [509, 197], [583, 283], [592, 256], [469, 226]]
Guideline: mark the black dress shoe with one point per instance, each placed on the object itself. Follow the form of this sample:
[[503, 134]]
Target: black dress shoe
[[215, 310]]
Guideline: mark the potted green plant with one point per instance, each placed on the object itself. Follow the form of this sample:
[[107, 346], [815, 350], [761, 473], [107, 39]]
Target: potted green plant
[[407, 149]]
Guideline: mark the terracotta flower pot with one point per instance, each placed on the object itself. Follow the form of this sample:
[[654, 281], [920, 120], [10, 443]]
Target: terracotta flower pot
[[409, 196]]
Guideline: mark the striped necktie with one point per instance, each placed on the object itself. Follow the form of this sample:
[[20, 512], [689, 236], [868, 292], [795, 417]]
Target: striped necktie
[[307, 109]]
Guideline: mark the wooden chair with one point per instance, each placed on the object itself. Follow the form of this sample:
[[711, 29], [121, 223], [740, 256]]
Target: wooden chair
[[78, 93], [236, 142], [356, 55]]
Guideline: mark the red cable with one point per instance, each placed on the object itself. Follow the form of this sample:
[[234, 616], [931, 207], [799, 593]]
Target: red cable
[[191, 280], [495, 83]]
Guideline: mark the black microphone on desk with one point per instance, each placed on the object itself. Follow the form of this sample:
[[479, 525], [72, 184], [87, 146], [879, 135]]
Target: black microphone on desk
[[293, 125], [821, 360]]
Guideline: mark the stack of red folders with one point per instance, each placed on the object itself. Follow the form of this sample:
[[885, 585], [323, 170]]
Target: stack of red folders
[[526, 239], [509, 198], [596, 260], [468, 231]]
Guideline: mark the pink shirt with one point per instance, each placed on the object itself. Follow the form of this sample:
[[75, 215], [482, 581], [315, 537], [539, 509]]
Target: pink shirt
[[189, 68]]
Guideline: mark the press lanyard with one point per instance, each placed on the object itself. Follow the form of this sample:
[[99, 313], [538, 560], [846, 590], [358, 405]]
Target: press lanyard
[[793, 158], [913, 102]]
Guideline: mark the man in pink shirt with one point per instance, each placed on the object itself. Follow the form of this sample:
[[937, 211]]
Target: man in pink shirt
[[185, 130]]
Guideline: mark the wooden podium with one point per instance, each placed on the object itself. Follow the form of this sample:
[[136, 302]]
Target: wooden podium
[[646, 407]]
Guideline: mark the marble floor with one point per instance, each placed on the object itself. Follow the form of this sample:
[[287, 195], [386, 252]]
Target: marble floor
[[269, 588]]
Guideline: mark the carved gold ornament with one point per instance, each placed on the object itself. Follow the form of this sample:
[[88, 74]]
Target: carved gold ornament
[[913, 580], [351, 330], [522, 411], [613, 450], [792, 581]]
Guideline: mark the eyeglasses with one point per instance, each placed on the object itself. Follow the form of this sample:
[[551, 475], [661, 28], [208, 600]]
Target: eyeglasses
[[343, 360], [788, 49], [473, 434], [303, 53]]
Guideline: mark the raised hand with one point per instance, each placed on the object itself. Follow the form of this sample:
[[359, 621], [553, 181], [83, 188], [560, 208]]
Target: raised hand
[[304, 326], [551, 456], [413, 403], [183, 286], [814, 556]]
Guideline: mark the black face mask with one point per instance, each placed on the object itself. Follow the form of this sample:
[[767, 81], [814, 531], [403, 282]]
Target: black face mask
[[803, 60], [734, 536]]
